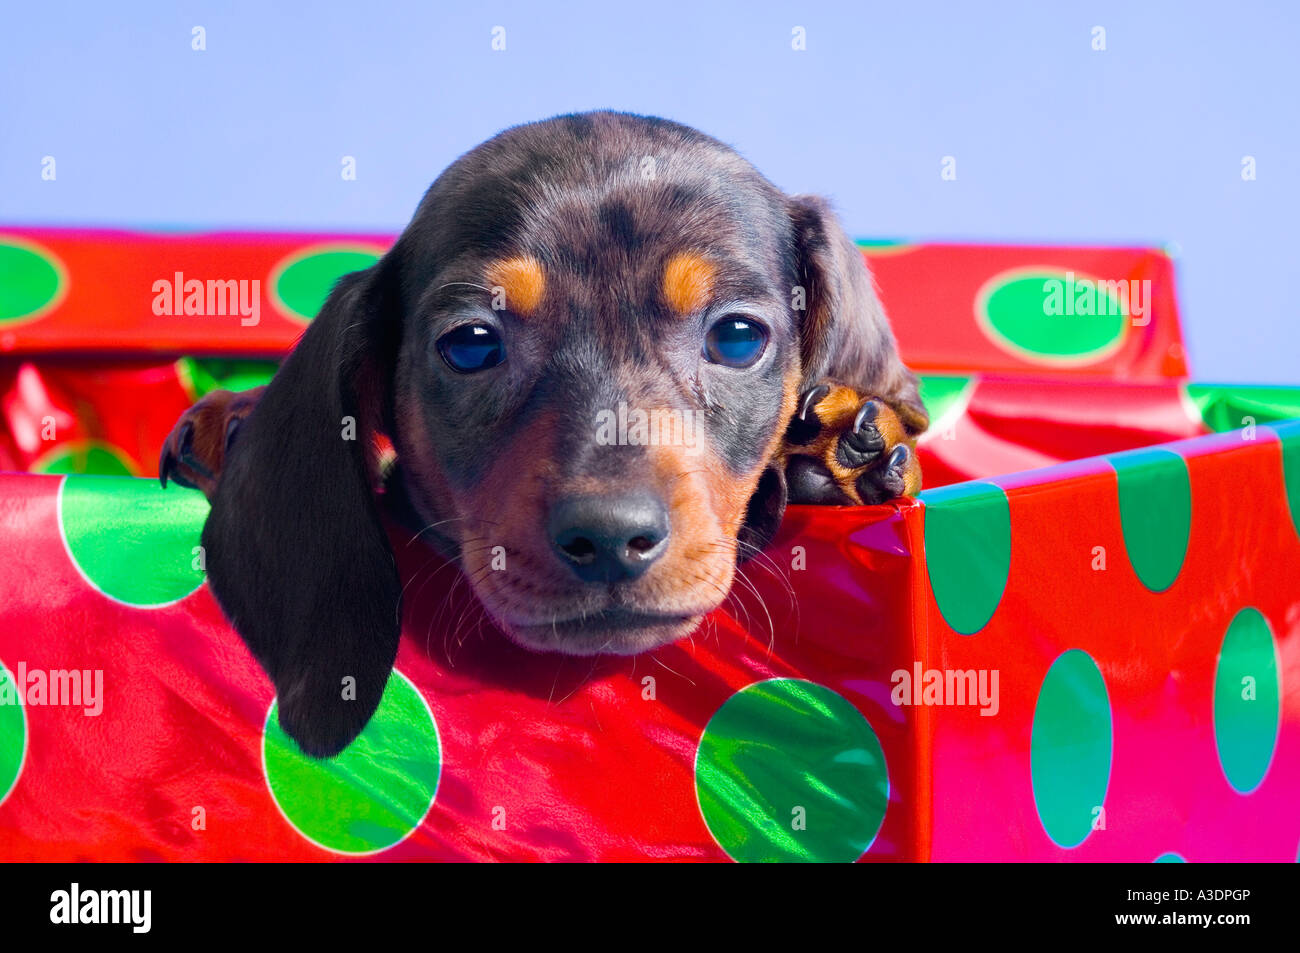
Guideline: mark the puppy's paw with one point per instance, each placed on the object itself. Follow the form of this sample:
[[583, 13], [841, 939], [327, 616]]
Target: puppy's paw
[[194, 453], [842, 447]]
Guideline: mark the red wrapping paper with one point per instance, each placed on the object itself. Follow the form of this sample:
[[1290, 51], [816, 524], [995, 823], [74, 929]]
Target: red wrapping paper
[[576, 763], [776, 732]]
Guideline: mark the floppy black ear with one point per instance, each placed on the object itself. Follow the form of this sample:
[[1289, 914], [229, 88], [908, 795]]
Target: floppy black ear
[[296, 554], [845, 335]]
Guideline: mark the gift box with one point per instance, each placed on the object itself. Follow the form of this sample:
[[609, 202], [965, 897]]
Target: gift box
[[1079, 644]]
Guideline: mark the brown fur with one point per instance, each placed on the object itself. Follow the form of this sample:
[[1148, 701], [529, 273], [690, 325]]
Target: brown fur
[[688, 282], [522, 281]]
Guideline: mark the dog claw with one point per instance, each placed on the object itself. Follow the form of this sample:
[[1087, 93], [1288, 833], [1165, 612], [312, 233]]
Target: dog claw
[[170, 460], [169, 469], [811, 398], [232, 430], [864, 442], [805, 425]]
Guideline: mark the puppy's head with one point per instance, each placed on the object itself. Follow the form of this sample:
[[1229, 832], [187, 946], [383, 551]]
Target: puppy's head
[[585, 349]]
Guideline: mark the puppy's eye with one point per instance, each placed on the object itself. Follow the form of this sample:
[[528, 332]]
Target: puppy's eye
[[735, 341], [471, 347]]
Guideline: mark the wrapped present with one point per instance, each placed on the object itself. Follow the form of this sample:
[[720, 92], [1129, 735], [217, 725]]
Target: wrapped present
[[1083, 662], [1076, 645], [1106, 313]]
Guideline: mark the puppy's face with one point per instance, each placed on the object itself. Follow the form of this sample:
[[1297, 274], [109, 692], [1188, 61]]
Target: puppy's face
[[585, 348], [598, 358]]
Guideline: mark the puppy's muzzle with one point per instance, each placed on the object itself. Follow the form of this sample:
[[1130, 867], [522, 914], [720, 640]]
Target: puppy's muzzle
[[609, 538]]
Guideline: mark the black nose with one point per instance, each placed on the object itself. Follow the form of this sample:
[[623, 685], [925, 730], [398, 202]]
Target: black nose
[[608, 538]]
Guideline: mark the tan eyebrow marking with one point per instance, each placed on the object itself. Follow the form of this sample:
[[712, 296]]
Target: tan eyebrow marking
[[688, 282], [521, 280]]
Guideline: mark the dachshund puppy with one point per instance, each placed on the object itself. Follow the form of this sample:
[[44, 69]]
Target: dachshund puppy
[[558, 287]]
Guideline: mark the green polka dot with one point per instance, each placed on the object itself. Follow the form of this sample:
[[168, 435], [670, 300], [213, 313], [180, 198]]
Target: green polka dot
[[131, 539], [1155, 509], [1070, 747], [1289, 433], [29, 281], [1224, 407], [941, 392], [13, 734], [85, 456], [373, 794], [788, 770], [1170, 858], [1021, 313], [967, 551], [1246, 701], [201, 376], [305, 281]]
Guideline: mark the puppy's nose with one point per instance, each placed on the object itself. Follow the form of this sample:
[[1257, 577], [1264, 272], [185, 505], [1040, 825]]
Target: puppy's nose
[[607, 538]]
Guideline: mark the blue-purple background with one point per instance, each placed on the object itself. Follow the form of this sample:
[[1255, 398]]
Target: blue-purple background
[[1140, 144]]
